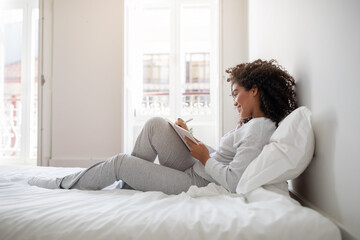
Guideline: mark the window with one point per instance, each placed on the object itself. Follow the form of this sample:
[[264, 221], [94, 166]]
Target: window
[[156, 84], [196, 97], [172, 63], [18, 81]]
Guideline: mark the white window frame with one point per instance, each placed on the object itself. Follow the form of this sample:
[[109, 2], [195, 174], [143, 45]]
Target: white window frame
[[177, 55], [27, 77]]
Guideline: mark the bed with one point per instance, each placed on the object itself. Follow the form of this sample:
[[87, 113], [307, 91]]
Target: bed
[[261, 208]]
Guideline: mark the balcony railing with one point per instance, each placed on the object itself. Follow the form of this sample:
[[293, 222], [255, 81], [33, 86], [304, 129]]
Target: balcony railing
[[10, 125], [193, 103], [196, 103], [11, 129]]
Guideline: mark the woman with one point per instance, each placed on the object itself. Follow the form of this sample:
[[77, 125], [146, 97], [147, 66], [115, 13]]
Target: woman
[[263, 94]]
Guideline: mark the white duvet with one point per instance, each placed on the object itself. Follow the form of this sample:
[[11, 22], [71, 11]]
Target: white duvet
[[29, 212]]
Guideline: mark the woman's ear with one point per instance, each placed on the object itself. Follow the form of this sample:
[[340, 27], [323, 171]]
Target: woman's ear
[[254, 91]]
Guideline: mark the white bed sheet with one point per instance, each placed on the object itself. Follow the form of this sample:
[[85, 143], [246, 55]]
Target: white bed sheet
[[29, 212]]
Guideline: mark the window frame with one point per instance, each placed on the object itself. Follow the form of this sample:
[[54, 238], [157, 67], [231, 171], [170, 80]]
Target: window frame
[[27, 79], [177, 64], [132, 124]]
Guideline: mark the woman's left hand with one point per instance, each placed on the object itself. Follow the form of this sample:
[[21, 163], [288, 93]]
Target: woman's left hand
[[198, 151]]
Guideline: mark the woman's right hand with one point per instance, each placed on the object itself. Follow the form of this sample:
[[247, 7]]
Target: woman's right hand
[[182, 124]]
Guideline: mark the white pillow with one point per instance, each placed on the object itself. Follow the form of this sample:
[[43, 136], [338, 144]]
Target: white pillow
[[288, 153]]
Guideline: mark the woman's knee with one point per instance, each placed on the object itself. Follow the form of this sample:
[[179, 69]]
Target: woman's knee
[[116, 160], [156, 122]]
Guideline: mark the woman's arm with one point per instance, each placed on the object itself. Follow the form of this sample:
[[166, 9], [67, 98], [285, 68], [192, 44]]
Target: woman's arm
[[248, 144], [226, 175], [198, 151], [229, 175], [180, 122]]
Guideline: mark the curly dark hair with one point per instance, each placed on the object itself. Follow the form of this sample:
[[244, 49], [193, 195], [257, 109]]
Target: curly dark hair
[[275, 85]]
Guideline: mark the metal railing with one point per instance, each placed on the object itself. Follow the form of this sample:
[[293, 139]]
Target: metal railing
[[193, 103], [11, 129]]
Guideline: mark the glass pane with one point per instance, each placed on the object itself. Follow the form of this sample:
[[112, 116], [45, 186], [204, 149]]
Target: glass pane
[[196, 94], [156, 48], [34, 84], [156, 30], [196, 26], [10, 83], [196, 45], [155, 84]]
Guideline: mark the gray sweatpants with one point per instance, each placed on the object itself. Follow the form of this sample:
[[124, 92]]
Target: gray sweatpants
[[138, 170]]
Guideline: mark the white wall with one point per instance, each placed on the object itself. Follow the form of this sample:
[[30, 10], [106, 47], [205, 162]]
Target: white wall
[[319, 43], [87, 81]]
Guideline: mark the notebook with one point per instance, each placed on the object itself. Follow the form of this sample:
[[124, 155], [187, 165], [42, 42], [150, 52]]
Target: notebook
[[182, 133]]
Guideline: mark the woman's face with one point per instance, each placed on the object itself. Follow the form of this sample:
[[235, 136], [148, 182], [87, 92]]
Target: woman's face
[[244, 100]]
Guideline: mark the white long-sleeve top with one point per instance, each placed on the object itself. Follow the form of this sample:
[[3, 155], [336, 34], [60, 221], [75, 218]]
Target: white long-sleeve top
[[236, 151]]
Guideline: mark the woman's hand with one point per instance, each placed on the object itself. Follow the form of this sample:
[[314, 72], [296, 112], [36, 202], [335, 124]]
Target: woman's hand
[[182, 124], [198, 151]]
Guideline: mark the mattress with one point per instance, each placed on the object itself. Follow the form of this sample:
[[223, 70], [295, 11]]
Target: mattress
[[30, 212]]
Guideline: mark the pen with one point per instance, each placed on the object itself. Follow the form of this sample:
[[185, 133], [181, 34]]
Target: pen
[[188, 120]]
